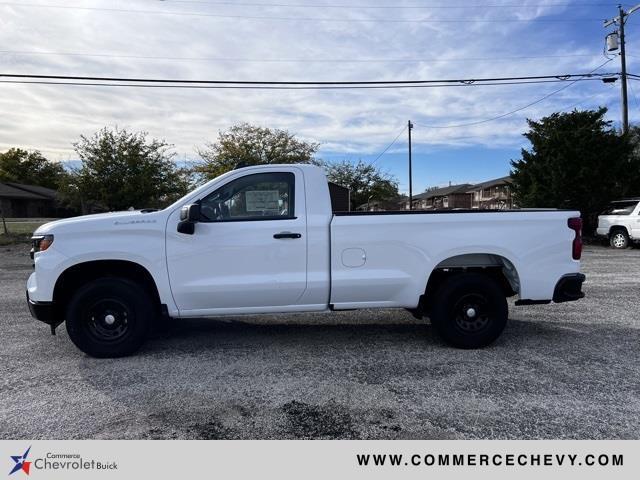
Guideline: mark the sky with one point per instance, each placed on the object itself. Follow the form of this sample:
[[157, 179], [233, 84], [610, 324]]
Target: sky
[[315, 40]]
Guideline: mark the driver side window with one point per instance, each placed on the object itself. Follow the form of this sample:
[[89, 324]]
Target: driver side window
[[260, 196]]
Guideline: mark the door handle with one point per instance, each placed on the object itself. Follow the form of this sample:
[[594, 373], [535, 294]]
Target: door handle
[[286, 235]]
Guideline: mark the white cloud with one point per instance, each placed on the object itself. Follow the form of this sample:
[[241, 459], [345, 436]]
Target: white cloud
[[355, 122]]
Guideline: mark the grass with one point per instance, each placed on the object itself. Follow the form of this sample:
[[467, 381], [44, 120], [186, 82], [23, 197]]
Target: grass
[[19, 230]]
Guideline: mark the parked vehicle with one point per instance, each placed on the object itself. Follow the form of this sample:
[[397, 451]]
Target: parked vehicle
[[263, 239], [620, 222]]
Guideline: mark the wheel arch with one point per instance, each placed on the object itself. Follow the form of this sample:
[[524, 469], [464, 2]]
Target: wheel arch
[[496, 266], [615, 228], [81, 273]]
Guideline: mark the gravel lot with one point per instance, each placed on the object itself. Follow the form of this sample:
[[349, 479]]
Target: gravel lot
[[558, 371]]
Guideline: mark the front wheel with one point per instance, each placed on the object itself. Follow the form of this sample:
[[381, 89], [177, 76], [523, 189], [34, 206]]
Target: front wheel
[[109, 317], [469, 310], [619, 239]]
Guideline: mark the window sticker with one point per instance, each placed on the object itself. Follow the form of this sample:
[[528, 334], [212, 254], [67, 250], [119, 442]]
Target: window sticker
[[262, 200]]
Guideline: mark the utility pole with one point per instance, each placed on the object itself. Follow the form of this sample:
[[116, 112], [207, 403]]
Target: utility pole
[[620, 20], [409, 127], [623, 75]]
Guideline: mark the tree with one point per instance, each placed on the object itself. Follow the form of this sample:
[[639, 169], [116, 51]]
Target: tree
[[30, 167], [577, 161], [122, 169], [365, 182], [251, 145], [633, 175]]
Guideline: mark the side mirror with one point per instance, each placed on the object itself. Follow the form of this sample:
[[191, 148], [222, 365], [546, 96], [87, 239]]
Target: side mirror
[[189, 216], [190, 213]]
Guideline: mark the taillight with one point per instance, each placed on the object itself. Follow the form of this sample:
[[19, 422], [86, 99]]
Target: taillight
[[575, 224]]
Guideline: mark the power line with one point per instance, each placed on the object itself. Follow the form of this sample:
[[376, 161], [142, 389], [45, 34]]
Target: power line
[[360, 83], [299, 60], [259, 87], [633, 93], [467, 137], [388, 146], [541, 99], [305, 19]]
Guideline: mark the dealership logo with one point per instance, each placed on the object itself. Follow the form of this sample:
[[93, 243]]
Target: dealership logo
[[59, 461], [21, 463]]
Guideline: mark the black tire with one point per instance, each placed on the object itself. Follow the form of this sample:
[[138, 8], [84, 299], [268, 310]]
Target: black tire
[[619, 239], [469, 310], [110, 317]]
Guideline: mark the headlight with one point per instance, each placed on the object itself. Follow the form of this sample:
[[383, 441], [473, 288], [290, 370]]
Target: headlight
[[40, 243]]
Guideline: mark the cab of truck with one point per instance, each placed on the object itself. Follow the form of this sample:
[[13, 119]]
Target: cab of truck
[[620, 222]]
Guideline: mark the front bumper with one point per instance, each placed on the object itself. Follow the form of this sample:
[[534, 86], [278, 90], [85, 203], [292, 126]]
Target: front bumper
[[43, 311], [569, 288]]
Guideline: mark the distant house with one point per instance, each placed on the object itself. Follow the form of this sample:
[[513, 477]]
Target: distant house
[[18, 200], [492, 195], [27, 201], [445, 198]]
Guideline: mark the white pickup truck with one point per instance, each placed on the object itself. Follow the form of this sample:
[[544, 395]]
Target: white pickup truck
[[620, 222], [264, 239]]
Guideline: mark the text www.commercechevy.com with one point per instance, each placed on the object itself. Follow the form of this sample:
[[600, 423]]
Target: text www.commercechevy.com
[[489, 460]]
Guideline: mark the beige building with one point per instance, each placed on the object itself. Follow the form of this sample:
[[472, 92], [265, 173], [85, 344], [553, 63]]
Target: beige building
[[445, 198], [492, 195]]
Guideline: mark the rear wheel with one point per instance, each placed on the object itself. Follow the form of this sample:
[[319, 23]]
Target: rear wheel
[[619, 239], [469, 310], [109, 317]]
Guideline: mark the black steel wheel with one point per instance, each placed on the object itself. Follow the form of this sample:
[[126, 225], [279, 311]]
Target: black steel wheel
[[471, 313], [109, 317], [469, 310], [107, 320]]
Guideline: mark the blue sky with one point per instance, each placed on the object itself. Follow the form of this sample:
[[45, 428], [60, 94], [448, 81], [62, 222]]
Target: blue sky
[[314, 40]]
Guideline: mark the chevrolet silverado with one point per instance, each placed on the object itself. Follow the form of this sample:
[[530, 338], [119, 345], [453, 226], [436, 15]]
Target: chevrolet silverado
[[264, 239]]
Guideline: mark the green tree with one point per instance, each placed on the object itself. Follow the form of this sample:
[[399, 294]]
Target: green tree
[[365, 182], [634, 162], [122, 169], [251, 145], [577, 161], [30, 167]]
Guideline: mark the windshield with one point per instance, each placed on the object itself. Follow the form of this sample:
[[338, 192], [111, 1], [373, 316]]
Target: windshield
[[621, 208]]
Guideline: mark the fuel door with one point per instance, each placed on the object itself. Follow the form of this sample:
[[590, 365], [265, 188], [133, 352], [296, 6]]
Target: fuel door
[[354, 257]]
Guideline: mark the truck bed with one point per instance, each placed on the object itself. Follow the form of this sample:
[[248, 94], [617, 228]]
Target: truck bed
[[379, 259]]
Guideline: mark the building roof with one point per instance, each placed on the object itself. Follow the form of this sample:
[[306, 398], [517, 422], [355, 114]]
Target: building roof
[[443, 192], [9, 191], [491, 183], [38, 190]]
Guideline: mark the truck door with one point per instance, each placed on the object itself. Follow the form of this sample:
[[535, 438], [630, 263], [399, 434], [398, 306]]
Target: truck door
[[249, 249]]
